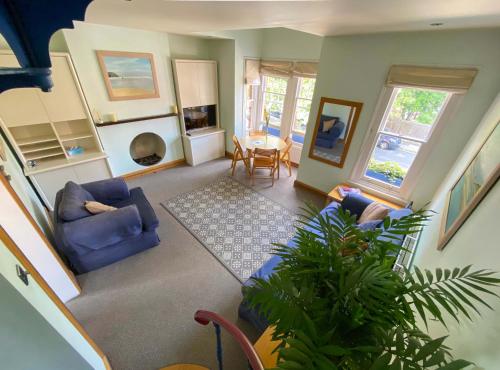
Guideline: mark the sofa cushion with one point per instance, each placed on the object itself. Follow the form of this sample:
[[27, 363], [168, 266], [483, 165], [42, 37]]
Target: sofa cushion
[[96, 207], [148, 216], [73, 200], [327, 125], [355, 204], [103, 230], [374, 211]]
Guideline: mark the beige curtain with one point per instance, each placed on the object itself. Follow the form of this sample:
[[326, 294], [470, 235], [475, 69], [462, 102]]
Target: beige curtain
[[454, 79], [252, 72]]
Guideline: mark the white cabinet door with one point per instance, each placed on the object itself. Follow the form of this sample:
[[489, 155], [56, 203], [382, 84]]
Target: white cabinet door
[[20, 106], [207, 78], [188, 81], [64, 102]]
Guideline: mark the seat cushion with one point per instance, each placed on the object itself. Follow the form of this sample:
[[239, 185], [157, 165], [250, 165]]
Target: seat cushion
[[72, 206]]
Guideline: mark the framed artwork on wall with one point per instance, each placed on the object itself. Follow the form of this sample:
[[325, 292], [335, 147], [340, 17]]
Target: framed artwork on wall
[[478, 178], [128, 75]]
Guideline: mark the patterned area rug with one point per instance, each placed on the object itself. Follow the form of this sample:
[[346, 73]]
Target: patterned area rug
[[236, 224]]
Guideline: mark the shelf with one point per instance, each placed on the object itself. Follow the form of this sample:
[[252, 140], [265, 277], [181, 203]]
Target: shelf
[[44, 154], [55, 163], [82, 135], [36, 140], [45, 146], [136, 119]]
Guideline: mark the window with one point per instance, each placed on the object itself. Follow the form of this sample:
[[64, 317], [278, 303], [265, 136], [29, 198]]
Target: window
[[288, 101], [273, 100], [303, 104], [401, 139]]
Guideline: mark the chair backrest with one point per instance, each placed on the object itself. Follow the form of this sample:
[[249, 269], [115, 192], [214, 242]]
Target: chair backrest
[[289, 143], [257, 133], [237, 144], [205, 317], [271, 153]]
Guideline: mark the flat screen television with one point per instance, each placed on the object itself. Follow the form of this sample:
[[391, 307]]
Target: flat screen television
[[198, 118]]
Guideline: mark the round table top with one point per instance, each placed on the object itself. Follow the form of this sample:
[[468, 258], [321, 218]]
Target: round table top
[[263, 142]]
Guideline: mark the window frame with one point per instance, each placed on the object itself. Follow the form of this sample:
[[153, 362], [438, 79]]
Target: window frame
[[294, 108], [262, 92], [384, 104], [289, 107]]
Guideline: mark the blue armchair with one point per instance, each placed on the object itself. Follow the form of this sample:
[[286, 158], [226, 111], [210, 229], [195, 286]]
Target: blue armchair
[[329, 138], [92, 241], [355, 204]]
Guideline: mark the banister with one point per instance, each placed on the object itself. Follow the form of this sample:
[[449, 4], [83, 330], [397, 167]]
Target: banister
[[205, 317]]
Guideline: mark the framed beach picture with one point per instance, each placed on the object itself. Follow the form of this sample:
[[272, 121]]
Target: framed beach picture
[[128, 75], [478, 178]]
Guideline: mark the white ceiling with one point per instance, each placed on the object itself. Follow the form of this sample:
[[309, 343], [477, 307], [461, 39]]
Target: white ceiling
[[333, 17]]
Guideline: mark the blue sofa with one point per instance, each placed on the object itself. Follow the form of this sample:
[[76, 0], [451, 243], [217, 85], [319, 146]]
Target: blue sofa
[[329, 138], [92, 241], [356, 204]]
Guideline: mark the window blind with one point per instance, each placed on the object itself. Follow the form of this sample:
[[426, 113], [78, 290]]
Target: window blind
[[252, 72], [453, 79]]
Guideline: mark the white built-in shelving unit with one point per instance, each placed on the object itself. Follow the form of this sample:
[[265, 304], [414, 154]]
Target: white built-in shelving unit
[[43, 126]]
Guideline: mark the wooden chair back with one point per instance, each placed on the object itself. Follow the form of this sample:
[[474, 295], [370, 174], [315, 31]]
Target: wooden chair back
[[237, 144], [289, 143], [257, 133], [269, 153]]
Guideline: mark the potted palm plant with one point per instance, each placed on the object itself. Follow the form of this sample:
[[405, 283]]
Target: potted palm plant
[[337, 303]]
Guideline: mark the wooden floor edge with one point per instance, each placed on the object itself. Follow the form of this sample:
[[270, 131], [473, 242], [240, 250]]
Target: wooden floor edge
[[302, 185], [107, 365], [18, 253], [153, 169]]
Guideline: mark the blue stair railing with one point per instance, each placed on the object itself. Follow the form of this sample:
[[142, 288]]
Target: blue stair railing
[[27, 26], [205, 317]]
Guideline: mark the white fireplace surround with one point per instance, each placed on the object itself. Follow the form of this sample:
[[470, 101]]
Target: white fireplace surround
[[116, 140]]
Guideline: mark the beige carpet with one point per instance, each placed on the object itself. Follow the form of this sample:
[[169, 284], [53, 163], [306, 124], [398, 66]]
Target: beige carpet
[[140, 310]]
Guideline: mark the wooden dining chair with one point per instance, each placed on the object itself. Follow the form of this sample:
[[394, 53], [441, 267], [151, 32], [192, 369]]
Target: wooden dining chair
[[285, 155], [257, 133], [265, 159], [239, 155]]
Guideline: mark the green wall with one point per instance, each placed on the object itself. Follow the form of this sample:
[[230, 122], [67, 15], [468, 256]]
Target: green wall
[[476, 243], [28, 341], [284, 43], [355, 68], [188, 47]]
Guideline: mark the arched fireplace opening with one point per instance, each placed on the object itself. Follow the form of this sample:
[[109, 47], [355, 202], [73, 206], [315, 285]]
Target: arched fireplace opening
[[147, 149]]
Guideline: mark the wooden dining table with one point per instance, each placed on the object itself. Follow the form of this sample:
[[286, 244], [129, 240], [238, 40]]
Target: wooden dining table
[[250, 142]]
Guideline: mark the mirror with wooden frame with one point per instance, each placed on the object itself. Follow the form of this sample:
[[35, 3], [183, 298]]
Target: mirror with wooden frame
[[334, 129]]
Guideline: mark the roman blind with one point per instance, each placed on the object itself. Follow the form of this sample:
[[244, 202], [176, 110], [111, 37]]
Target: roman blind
[[453, 79], [276, 68], [305, 69], [252, 72]]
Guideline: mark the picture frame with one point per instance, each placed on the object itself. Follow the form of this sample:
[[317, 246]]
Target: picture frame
[[480, 175], [336, 154], [128, 75]]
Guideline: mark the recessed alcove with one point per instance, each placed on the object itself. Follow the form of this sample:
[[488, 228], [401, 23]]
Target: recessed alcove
[[147, 149]]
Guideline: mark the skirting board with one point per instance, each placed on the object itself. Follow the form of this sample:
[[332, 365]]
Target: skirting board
[[230, 156], [300, 184], [153, 169]]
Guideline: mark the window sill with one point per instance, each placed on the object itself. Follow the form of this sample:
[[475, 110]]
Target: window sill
[[369, 188]]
